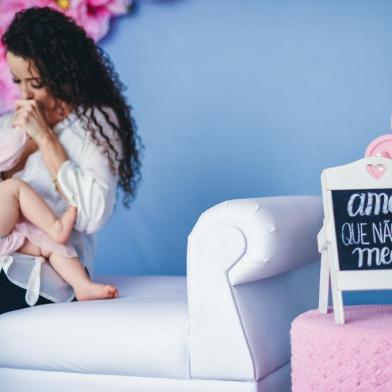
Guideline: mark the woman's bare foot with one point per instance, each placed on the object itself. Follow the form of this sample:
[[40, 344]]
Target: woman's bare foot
[[92, 290], [62, 228]]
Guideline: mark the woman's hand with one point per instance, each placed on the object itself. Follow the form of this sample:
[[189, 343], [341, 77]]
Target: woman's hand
[[30, 116]]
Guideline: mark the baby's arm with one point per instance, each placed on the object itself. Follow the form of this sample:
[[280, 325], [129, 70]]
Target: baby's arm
[[12, 145]]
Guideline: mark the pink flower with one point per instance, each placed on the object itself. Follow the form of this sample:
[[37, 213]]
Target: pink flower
[[8, 91], [95, 20], [115, 7], [95, 15]]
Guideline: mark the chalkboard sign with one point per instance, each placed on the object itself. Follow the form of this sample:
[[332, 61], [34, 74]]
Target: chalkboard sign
[[363, 228], [355, 241]]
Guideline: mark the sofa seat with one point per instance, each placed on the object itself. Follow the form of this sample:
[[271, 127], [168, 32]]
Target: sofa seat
[[142, 333], [224, 327]]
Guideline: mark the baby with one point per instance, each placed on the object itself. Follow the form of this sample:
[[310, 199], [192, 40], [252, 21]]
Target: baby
[[28, 225]]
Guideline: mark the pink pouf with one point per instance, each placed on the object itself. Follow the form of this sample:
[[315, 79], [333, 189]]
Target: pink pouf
[[356, 356]]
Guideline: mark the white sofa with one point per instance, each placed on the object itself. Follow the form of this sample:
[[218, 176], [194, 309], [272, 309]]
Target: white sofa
[[252, 266]]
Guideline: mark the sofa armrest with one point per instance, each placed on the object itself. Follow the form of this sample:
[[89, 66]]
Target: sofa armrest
[[267, 235], [235, 243]]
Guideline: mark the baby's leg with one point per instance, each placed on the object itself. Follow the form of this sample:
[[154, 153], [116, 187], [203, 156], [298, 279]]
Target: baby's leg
[[16, 196], [29, 248], [71, 270]]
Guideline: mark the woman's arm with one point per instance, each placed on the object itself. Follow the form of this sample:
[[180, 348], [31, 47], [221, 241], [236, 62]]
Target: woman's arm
[[92, 188], [54, 156], [85, 180], [30, 118]]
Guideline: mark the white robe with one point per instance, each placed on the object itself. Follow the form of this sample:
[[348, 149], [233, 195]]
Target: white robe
[[87, 181]]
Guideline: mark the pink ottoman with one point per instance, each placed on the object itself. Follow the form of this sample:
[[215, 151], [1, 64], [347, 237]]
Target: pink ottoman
[[356, 356]]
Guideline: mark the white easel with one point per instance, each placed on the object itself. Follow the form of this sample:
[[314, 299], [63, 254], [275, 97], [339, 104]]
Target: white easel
[[348, 177]]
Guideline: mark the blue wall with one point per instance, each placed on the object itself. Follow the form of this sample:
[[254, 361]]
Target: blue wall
[[239, 99]]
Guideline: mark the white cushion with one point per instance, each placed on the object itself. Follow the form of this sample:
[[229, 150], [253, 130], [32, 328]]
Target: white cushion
[[142, 333]]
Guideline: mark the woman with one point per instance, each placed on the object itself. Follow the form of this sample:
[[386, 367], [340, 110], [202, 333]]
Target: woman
[[82, 144]]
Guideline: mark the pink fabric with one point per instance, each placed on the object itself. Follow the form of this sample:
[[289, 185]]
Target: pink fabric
[[24, 229], [12, 242], [11, 148], [356, 356]]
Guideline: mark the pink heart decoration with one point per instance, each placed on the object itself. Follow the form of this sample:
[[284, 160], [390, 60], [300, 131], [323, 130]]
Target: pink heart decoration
[[376, 171]]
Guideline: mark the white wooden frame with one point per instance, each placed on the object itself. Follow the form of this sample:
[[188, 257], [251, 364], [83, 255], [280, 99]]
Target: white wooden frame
[[347, 177]]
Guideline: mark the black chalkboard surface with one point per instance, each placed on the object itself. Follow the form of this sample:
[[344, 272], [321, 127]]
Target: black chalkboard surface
[[363, 225]]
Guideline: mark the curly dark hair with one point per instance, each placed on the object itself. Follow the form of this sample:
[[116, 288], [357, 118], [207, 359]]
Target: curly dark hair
[[78, 72]]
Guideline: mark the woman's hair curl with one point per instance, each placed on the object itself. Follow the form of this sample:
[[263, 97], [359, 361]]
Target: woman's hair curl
[[78, 72]]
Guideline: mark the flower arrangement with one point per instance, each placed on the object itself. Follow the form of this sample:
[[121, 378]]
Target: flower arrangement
[[93, 15]]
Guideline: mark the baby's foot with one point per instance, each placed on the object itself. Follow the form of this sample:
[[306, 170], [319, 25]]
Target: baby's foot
[[95, 291], [62, 228]]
